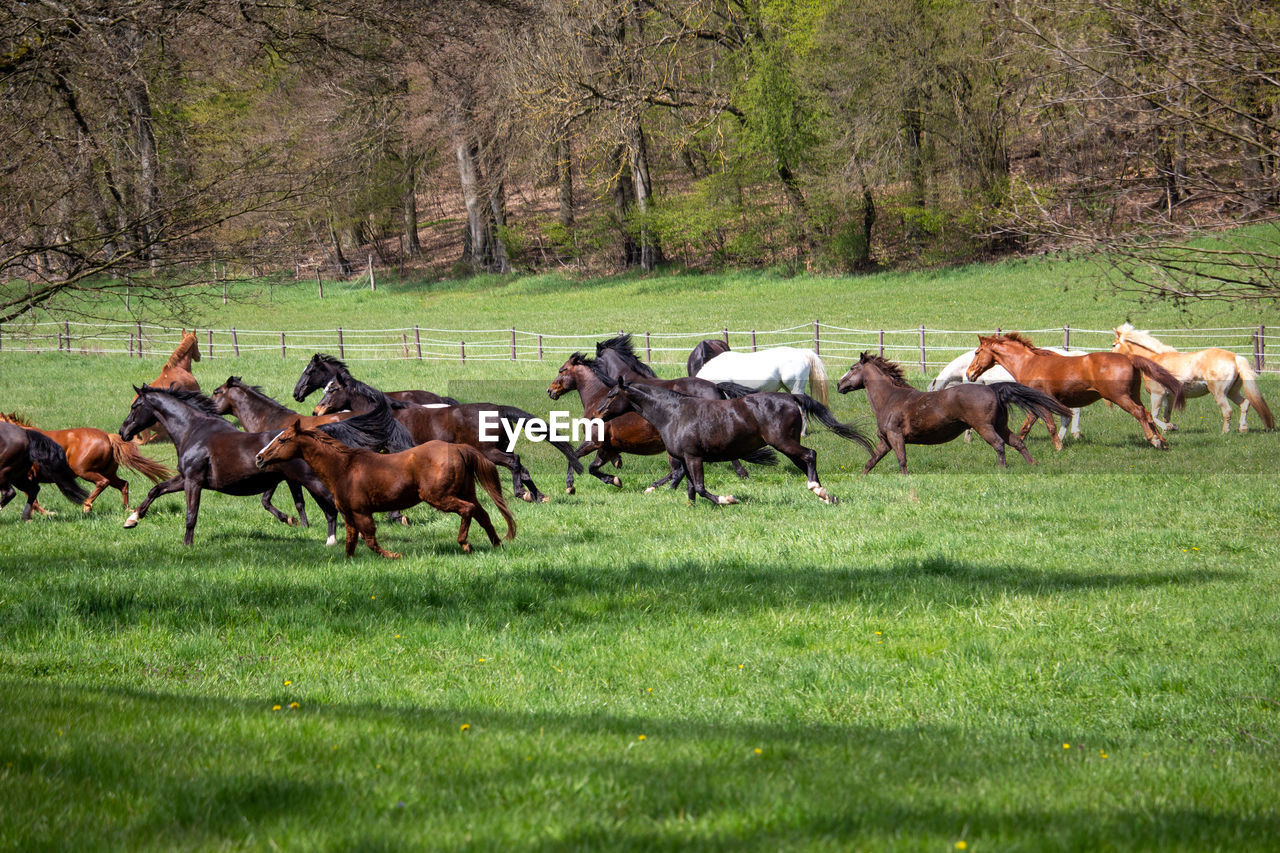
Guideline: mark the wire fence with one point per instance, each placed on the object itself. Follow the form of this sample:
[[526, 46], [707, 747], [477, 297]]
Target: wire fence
[[921, 348]]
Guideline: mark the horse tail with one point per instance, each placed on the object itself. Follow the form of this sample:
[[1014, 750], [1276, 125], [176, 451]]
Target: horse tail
[[764, 456], [817, 377], [1164, 377], [126, 454], [732, 390], [51, 460], [486, 474], [1036, 402], [1249, 386], [849, 432], [512, 413]]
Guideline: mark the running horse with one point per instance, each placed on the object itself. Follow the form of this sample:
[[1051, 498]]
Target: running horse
[[176, 373], [97, 456], [1077, 381], [29, 458], [1222, 373]]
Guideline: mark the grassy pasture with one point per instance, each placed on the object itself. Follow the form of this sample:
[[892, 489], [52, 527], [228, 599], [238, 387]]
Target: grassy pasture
[[1076, 656]]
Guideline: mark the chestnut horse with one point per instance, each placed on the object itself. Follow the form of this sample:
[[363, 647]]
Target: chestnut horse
[[1222, 373], [176, 373], [96, 456], [905, 415], [1077, 381], [436, 472]]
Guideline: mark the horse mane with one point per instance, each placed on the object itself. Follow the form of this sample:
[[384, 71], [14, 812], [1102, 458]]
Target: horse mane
[[194, 399], [17, 420], [323, 438], [189, 342], [1026, 342], [1141, 337], [892, 371], [332, 361], [621, 345]]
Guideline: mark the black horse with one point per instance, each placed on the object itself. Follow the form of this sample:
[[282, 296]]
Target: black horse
[[704, 352], [29, 458], [697, 431], [460, 424], [212, 454], [322, 369], [905, 415]]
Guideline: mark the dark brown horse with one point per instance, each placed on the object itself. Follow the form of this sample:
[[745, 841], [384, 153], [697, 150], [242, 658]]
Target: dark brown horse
[[907, 416], [627, 433], [323, 369], [1077, 381], [698, 431], [96, 456], [176, 373], [29, 458], [704, 352], [437, 472]]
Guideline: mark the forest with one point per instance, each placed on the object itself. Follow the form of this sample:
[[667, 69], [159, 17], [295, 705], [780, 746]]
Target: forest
[[157, 144]]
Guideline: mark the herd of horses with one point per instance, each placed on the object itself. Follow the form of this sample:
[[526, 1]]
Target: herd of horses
[[363, 451]]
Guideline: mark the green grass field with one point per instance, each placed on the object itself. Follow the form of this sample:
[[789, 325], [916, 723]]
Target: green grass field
[[1079, 655]]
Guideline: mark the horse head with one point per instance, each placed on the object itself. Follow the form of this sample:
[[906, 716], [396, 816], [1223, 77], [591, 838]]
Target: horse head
[[141, 414], [615, 402], [221, 403], [283, 446], [854, 378], [984, 357]]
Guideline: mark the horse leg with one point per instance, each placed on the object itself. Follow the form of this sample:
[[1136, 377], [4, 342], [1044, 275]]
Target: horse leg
[[673, 476], [992, 436], [168, 487], [879, 453], [270, 507], [1145, 419], [1025, 430], [352, 533], [192, 488], [1224, 405], [320, 494], [806, 459], [596, 464], [1159, 407], [693, 465], [1075, 424], [99, 484], [899, 444], [121, 485], [1002, 430], [739, 468], [296, 491], [1236, 394], [369, 530]]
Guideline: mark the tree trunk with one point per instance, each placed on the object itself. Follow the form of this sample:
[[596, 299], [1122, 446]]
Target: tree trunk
[[650, 251], [139, 102], [622, 190], [862, 261], [498, 259], [339, 259], [412, 246], [564, 173]]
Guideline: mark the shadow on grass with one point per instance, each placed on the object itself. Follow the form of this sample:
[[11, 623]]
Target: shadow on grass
[[551, 595], [207, 771]]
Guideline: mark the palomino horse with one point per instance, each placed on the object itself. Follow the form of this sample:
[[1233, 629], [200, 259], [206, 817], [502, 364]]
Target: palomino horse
[[905, 415], [953, 374], [1225, 375], [777, 369], [698, 431], [436, 472], [1077, 381], [176, 373], [96, 456], [29, 458]]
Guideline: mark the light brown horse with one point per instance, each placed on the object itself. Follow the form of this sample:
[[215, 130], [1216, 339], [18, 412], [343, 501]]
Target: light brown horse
[[176, 373], [1222, 373], [1077, 381], [96, 456], [363, 482]]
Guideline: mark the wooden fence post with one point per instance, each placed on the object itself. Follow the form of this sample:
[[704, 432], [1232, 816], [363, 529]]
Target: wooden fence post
[[1262, 348], [235, 341], [817, 344], [66, 328], [648, 353], [539, 347], [924, 368], [342, 350], [211, 343], [463, 346], [282, 351], [753, 340], [131, 345], [1066, 336], [513, 343], [417, 341], [319, 282], [138, 328], [372, 285], [725, 334], [882, 343]]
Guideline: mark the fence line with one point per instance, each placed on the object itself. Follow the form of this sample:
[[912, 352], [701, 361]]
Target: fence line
[[921, 347]]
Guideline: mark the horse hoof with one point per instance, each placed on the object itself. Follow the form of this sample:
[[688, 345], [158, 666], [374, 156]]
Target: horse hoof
[[617, 481], [291, 521], [131, 521], [649, 490], [86, 508], [725, 500], [545, 499], [404, 521], [570, 491], [332, 540], [391, 555], [466, 547], [527, 498]]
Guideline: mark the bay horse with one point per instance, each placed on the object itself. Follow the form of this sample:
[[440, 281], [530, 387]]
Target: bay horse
[[953, 374], [29, 458], [776, 369], [212, 454], [323, 368], [703, 352], [458, 424], [907, 416], [627, 433], [1077, 381], [97, 456], [436, 472], [698, 431], [1222, 373], [176, 373]]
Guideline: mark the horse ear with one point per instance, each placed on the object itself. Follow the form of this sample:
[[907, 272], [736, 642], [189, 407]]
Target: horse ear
[[296, 425], [864, 358]]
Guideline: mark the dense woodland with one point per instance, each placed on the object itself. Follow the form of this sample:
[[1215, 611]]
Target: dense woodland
[[156, 143]]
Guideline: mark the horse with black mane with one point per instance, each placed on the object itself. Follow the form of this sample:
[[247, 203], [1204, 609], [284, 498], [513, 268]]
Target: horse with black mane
[[29, 458], [907, 416], [698, 431], [324, 368], [458, 424], [703, 352]]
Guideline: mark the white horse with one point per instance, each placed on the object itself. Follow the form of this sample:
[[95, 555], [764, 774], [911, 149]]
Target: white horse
[[777, 369], [1222, 373], [954, 374]]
